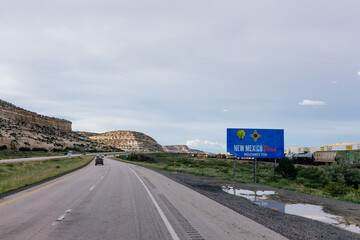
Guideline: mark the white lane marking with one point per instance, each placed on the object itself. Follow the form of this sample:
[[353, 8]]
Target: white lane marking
[[63, 216], [102, 177], [92, 188], [162, 215]]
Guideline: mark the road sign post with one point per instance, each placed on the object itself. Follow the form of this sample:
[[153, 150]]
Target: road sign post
[[234, 169], [255, 170], [274, 168]]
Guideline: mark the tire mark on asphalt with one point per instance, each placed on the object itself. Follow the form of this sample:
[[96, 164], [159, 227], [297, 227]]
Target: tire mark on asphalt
[[191, 232], [150, 183]]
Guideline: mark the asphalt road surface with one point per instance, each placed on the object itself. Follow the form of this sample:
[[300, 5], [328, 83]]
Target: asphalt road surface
[[120, 201]]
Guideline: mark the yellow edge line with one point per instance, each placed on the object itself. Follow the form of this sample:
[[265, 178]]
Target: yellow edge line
[[12, 200]]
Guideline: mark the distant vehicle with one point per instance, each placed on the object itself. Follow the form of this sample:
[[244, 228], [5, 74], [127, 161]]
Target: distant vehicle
[[99, 160]]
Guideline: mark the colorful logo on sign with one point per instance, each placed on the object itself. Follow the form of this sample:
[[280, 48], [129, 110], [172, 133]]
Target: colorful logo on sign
[[241, 134], [255, 135]]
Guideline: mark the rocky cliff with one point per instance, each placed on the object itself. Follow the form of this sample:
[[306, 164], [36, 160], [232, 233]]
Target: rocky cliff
[[22, 130], [129, 140], [181, 149], [9, 111]]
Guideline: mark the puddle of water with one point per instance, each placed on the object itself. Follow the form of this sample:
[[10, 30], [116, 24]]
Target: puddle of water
[[314, 212], [251, 195]]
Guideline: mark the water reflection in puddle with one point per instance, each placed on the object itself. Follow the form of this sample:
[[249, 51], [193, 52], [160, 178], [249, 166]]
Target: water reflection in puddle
[[251, 195], [304, 210]]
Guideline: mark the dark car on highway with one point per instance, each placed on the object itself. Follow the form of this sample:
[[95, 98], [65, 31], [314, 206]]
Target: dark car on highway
[[99, 160]]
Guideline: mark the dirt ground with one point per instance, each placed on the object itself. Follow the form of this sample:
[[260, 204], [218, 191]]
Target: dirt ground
[[290, 226]]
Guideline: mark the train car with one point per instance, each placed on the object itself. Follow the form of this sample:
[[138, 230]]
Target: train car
[[351, 156], [306, 158], [325, 156]]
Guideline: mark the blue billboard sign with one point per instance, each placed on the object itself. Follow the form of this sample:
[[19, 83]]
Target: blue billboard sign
[[255, 143]]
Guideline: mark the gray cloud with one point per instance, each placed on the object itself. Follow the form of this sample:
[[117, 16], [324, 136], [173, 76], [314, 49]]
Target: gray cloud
[[167, 67]]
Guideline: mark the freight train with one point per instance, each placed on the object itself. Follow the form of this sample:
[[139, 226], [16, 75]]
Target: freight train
[[352, 156]]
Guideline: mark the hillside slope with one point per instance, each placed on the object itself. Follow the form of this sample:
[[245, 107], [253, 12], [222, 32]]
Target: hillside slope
[[22, 130]]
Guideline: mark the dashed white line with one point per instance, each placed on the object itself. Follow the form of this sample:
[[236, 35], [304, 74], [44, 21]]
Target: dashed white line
[[92, 188], [62, 217]]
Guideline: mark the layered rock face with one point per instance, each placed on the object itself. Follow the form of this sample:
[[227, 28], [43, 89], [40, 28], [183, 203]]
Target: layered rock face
[[181, 149], [177, 148], [22, 130], [129, 140], [10, 112]]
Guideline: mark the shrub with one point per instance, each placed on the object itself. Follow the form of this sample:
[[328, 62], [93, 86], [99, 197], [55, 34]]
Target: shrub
[[343, 170], [145, 158], [24, 149], [286, 169], [312, 173], [337, 188]]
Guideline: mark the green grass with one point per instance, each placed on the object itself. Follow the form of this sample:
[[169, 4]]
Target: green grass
[[224, 169], [20, 174], [13, 155]]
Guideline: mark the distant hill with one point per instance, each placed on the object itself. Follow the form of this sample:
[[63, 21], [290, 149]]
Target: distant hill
[[128, 140], [181, 149], [87, 134], [23, 130]]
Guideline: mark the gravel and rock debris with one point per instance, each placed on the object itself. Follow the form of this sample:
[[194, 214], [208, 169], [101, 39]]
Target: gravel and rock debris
[[290, 226]]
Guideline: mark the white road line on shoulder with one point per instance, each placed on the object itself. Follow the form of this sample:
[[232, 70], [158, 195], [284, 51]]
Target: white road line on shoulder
[[92, 188], [162, 215]]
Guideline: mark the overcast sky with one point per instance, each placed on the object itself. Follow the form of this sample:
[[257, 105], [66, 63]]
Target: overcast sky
[[184, 71]]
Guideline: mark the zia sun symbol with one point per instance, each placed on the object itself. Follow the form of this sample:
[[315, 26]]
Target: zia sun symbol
[[255, 135]]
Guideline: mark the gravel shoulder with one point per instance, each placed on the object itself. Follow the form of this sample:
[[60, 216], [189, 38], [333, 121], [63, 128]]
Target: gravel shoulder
[[290, 226]]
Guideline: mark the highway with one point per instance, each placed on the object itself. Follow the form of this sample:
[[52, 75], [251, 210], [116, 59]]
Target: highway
[[120, 201]]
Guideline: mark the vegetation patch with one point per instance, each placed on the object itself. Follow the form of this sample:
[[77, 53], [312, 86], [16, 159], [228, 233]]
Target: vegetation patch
[[36, 152], [339, 180], [21, 174]]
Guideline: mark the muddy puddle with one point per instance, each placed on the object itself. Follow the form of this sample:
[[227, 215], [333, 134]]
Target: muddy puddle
[[314, 212]]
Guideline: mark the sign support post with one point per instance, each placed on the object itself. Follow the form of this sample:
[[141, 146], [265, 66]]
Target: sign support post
[[255, 170], [274, 168], [234, 169]]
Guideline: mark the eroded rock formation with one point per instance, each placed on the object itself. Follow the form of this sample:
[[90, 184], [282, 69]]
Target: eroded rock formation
[[11, 112], [181, 149], [22, 130], [129, 140]]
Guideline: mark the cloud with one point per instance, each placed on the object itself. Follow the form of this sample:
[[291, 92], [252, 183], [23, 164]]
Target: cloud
[[311, 103], [225, 110], [358, 73], [206, 145], [335, 82]]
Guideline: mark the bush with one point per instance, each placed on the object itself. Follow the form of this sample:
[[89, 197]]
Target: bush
[[337, 189], [286, 169], [24, 149], [140, 158], [343, 170], [312, 173], [145, 158]]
